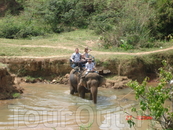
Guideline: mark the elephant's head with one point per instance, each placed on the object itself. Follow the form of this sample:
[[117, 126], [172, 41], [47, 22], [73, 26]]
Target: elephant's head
[[100, 80], [92, 81]]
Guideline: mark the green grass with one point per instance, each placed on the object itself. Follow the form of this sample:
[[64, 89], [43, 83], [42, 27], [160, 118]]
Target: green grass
[[105, 57], [32, 51], [64, 44], [162, 45], [78, 37], [55, 44]]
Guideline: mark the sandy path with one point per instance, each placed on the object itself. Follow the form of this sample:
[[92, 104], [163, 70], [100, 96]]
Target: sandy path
[[93, 52]]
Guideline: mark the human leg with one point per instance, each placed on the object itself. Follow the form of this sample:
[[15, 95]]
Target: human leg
[[73, 65]]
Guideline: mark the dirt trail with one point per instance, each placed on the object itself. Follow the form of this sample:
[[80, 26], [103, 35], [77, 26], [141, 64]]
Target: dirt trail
[[93, 52]]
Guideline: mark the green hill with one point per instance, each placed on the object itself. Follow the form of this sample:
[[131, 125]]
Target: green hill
[[127, 24]]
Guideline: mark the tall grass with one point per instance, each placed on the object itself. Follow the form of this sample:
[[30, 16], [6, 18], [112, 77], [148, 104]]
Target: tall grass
[[126, 24], [130, 29]]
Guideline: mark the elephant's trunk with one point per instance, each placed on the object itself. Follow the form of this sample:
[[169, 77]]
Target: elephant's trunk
[[94, 94]]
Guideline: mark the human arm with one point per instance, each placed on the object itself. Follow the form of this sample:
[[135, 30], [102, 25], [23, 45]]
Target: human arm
[[72, 58], [93, 67], [86, 56]]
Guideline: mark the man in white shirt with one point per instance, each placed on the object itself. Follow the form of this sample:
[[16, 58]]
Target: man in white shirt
[[89, 66]]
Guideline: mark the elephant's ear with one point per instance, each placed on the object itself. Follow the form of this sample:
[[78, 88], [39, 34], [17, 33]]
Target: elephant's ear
[[102, 80], [83, 77], [101, 76]]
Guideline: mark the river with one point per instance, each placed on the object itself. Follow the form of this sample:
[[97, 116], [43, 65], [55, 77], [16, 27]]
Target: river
[[51, 107]]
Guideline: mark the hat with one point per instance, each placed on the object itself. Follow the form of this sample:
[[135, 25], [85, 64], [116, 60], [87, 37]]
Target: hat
[[89, 59]]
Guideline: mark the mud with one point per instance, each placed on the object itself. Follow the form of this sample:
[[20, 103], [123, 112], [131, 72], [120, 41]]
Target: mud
[[7, 85], [37, 67]]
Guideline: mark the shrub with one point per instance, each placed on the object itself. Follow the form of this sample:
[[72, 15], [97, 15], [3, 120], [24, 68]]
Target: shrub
[[152, 99], [59, 14], [138, 22], [15, 27], [164, 18], [118, 24], [8, 28]]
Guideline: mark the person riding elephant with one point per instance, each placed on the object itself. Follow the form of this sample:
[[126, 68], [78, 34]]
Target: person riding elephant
[[75, 59], [91, 82], [89, 67]]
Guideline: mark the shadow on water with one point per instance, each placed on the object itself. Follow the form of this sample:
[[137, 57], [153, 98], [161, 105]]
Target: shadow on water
[[52, 107]]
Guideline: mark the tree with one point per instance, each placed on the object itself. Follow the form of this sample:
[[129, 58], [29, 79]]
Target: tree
[[152, 99]]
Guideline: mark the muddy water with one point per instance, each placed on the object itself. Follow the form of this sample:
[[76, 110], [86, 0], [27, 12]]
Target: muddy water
[[52, 107]]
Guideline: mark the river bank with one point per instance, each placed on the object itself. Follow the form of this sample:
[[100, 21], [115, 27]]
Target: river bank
[[135, 67], [118, 71], [8, 89]]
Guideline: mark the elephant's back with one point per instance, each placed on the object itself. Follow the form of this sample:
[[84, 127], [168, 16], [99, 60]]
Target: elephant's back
[[92, 75]]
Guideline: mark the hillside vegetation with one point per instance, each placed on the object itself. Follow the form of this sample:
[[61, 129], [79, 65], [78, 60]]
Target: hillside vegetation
[[127, 24]]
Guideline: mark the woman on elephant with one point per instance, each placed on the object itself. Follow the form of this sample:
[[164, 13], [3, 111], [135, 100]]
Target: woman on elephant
[[86, 55]]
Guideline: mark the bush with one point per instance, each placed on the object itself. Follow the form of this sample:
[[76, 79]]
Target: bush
[[163, 23], [152, 99], [103, 22], [14, 27], [137, 22], [118, 24], [59, 14], [8, 28], [30, 30]]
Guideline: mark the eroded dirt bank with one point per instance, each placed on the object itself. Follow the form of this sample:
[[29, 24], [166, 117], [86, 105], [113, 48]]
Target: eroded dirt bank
[[8, 89], [136, 67], [36, 67]]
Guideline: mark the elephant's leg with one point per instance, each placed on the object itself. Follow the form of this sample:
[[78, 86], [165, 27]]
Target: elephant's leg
[[72, 90], [91, 96], [94, 94], [81, 91], [82, 94]]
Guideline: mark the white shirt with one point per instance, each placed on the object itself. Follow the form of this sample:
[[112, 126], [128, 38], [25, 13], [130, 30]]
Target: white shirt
[[89, 66], [76, 57]]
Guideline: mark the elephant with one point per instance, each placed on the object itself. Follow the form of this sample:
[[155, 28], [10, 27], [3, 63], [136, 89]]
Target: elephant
[[74, 79], [91, 82]]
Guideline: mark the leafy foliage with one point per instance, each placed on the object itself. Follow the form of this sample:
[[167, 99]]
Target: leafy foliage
[[16, 95], [152, 99], [148, 20], [14, 27], [164, 10]]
